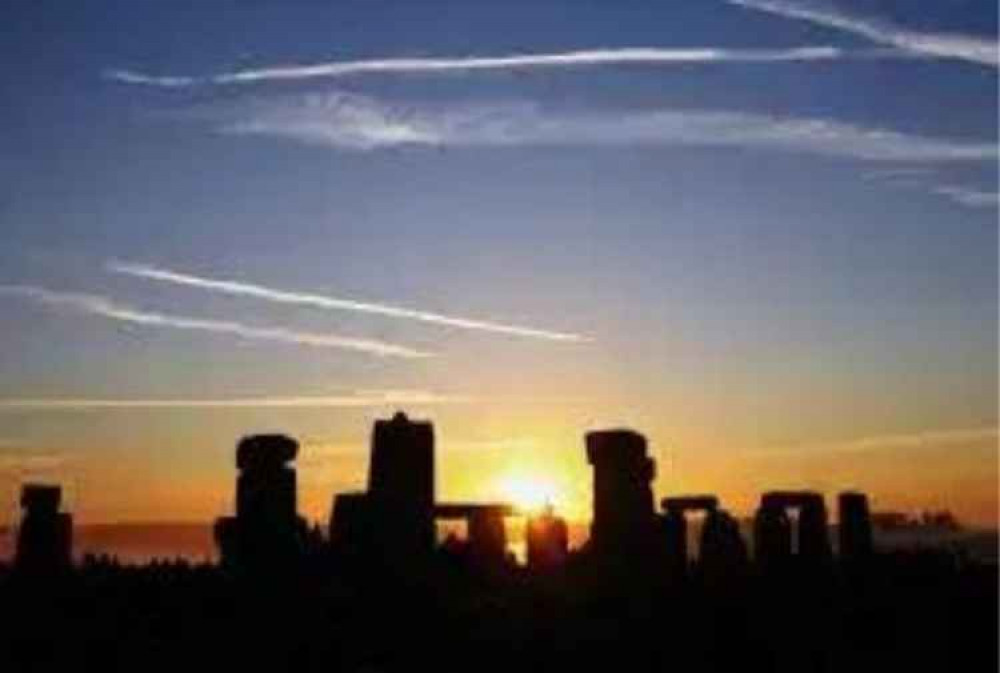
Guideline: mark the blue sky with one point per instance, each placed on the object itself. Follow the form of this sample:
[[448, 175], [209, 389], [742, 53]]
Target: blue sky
[[775, 227]]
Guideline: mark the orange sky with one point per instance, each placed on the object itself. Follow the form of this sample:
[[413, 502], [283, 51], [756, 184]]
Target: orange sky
[[479, 456]]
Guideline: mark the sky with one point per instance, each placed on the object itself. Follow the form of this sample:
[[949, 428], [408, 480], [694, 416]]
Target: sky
[[762, 232]]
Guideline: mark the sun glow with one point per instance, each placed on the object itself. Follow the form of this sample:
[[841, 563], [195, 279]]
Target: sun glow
[[529, 493]]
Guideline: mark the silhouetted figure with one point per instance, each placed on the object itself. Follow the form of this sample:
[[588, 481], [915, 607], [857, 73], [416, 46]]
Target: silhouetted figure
[[267, 529], [45, 538], [855, 529], [547, 541], [623, 519]]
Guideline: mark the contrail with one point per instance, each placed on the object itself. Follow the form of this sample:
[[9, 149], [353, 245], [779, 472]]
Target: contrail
[[363, 123], [31, 463], [948, 438], [333, 303], [941, 45], [970, 197], [102, 306], [568, 59], [355, 400]]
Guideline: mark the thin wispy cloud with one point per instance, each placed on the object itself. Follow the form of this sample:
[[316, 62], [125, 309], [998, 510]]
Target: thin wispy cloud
[[350, 121], [506, 444], [358, 399], [162, 81], [319, 448], [904, 174], [969, 197], [931, 439], [917, 440], [940, 45], [926, 179], [333, 303], [106, 308], [31, 462], [650, 56]]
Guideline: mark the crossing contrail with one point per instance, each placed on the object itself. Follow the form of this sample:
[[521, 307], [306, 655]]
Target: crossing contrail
[[969, 48]]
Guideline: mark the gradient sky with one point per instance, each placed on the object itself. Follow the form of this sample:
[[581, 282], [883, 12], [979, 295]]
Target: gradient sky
[[769, 243]]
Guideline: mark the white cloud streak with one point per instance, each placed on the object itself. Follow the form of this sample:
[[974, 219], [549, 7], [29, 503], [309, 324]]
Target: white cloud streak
[[351, 121], [358, 399], [320, 448], [918, 440], [31, 462], [651, 56], [925, 178], [969, 197], [333, 303], [931, 439], [903, 175], [939, 45], [106, 308]]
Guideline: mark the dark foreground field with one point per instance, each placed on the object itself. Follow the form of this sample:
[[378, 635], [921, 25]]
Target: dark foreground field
[[927, 611]]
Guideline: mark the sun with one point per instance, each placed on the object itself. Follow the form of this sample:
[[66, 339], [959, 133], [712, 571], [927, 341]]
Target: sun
[[527, 492]]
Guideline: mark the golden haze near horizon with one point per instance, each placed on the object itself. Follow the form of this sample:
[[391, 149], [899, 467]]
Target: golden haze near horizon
[[526, 453]]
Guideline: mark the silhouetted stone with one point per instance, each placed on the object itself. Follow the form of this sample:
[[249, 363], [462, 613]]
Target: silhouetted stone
[[485, 525], [487, 538], [690, 503], [773, 527], [723, 553], [467, 510], [674, 527], [352, 522], [547, 541], [393, 522], [45, 537], [267, 530], [623, 518], [916, 610], [265, 453], [855, 530], [772, 530], [401, 484], [814, 534], [674, 531], [41, 499], [227, 538]]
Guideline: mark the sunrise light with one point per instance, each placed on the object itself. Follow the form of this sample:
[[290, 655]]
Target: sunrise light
[[529, 493]]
